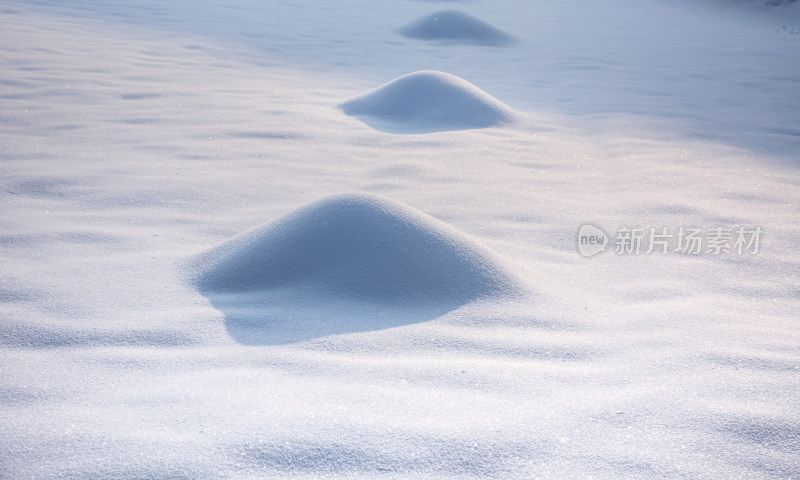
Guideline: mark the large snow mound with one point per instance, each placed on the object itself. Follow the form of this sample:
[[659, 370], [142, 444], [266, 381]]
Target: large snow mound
[[429, 101], [346, 263], [456, 27]]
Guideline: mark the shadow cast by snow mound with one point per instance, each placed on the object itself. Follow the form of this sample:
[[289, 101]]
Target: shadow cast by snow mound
[[453, 26], [345, 264], [429, 101]]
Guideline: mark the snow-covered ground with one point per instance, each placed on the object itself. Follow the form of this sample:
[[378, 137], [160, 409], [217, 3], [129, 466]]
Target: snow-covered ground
[[245, 239]]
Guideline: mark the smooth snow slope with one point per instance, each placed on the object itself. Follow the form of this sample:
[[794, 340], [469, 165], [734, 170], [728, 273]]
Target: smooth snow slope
[[137, 137], [455, 26], [429, 101], [346, 263]]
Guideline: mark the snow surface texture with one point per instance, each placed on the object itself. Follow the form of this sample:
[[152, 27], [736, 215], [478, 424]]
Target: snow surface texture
[[456, 27], [429, 101], [137, 137], [346, 263]]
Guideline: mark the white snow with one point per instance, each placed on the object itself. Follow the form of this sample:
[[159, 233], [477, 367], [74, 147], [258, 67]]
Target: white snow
[[346, 263], [429, 101], [457, 27], [407, 299]]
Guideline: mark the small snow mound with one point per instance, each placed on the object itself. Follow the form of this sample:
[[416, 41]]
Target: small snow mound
[[347, 263], [456, 26], [429, 101]]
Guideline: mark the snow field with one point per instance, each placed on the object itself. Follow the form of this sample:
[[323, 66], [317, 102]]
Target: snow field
[[139, 138]]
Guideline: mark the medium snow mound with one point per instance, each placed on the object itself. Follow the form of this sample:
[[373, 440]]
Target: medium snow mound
[[456, 27], [429, 101], [347, 263]]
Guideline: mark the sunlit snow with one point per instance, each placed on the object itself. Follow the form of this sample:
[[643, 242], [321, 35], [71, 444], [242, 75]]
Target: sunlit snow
[[297, 239]]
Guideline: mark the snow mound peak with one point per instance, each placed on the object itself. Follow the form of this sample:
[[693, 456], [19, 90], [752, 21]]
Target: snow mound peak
[[346, 263], [455, 26], [429, 101]]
